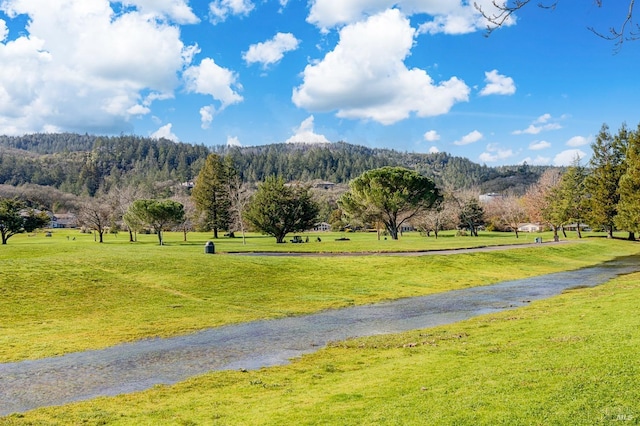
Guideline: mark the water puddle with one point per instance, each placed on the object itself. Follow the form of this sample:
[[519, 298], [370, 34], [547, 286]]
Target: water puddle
[[137, 366]]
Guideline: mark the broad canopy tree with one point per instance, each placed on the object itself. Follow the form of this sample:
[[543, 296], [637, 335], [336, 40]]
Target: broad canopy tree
[[15, 218], [277, 209], [391, 195], [157, 214]]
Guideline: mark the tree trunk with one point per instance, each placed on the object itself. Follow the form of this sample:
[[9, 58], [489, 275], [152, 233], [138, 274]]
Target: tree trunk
[[564, 233], [578, 231], [215, 232], [100, 235], [516, 232], [131, 236], [610, 232], [631, 237], [159, 232]]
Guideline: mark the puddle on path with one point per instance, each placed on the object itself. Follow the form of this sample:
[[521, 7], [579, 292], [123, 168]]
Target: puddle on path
[[137, 366]]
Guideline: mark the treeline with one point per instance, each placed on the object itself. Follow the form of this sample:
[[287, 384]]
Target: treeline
[[86, 164]]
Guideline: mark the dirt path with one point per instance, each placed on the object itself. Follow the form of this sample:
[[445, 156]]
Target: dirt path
[[141, 365]]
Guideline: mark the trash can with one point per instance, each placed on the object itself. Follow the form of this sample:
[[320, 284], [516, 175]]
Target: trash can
[[538, 240], [209, 248]]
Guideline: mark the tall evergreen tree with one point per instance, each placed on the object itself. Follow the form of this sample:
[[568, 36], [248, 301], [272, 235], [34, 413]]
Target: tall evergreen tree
[[568, 199], [211, 193], [628, 217], [607, 167]]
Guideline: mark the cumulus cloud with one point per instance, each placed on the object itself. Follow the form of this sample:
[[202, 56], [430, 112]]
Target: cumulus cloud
[[4, 31], [206, 116], [434, 150], [271, 51], [165, 132], [578, 141], [538, 161], [542, 124], [79, 66], [538, 145], [176, 10], [431, 136], [219, 10], [209, 78], [498, 84], [446, 16], [305, 133], [467, 139], [233, 141], [365, 77], [566, 158], [494, 153]]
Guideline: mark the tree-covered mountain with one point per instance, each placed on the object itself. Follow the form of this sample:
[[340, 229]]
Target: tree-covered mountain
[[85, 164]]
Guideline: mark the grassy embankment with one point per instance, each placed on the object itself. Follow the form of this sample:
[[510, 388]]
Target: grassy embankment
[[59, 295], [567, 360]]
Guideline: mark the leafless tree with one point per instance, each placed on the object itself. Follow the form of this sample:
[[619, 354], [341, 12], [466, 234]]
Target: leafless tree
[[95, 214], [502, 13]]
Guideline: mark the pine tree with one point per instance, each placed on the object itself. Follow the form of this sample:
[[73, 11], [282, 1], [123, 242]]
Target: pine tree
[[607, 167], [628, 217], [210, 194]]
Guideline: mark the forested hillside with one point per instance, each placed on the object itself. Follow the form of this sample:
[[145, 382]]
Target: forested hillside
[[85, 164]]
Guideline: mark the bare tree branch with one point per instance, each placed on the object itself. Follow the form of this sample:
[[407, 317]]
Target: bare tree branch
[[503, 12]]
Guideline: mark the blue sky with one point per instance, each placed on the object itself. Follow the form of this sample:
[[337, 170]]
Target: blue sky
[[411, 75]]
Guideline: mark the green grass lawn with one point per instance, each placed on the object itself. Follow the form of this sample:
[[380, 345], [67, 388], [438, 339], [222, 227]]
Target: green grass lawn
[[568, 360], [58, 295]]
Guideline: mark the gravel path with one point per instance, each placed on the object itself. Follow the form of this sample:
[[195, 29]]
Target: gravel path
[[140, 365]]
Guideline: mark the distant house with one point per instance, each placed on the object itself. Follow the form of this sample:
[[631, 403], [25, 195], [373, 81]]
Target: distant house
[[529, 227], [574, 227], [322, 227], [64, 220], [324, 185], [487, 198]]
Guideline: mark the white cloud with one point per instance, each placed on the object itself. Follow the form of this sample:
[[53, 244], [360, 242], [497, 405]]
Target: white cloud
[[365, 77], [233, 141], [566, 158], [271, 51], [431, 136], [219, 10], [541, 124], [538, 161], [4, 31], [434, 150], [448, 16], [498, 84], [538, 145], [306, 134], [578, 141], [543, 118], [79, 66], [206, 116], [495, 153], [165, 132], [209, 78], [472, 137], [176, 10]]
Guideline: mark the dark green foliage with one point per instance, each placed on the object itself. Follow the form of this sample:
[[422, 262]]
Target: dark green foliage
[[15, 218], [157, 214], [391, 195], [211, 193], [471, 215], [87, 164], [607, 166], [628, 217], [278, 209], [568, 200]]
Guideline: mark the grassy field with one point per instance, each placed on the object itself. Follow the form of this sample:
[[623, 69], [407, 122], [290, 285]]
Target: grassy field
[[569, 360], [58, 295]]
